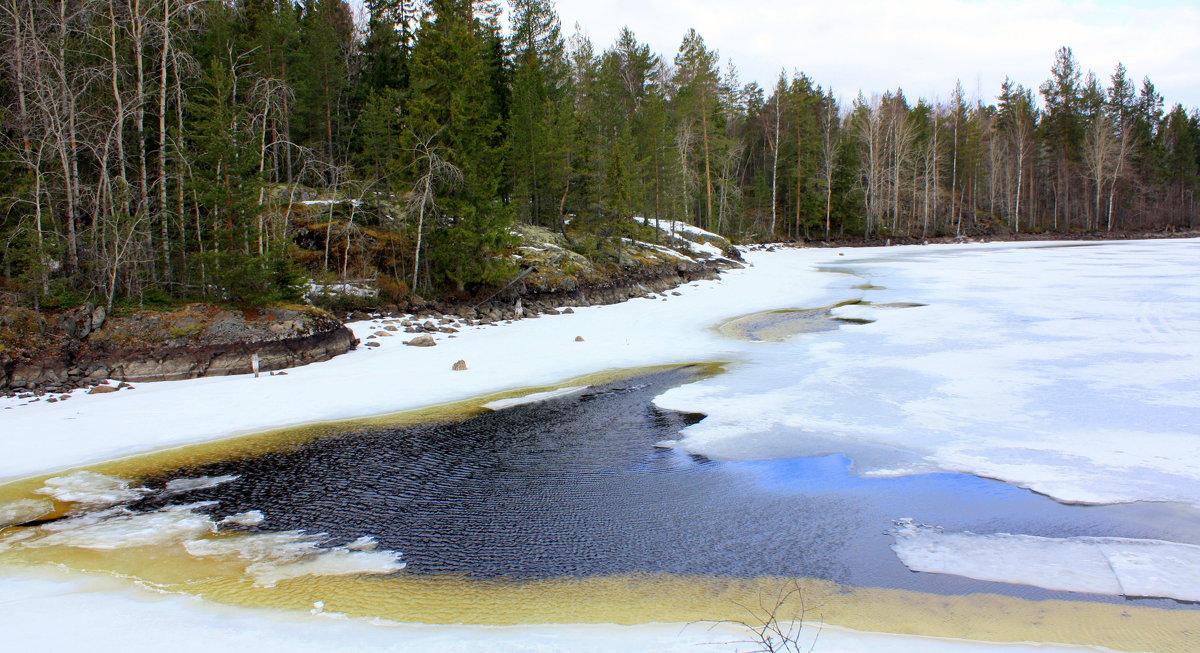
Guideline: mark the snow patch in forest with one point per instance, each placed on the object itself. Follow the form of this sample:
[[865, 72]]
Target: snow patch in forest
[[696, 239], [1097, 565], [313, 289]]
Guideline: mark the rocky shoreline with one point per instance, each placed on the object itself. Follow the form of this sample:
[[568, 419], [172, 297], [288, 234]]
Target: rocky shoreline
[[85, 348]]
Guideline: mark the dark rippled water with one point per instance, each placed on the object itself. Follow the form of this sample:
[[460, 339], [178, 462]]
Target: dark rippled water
[[579, 486]]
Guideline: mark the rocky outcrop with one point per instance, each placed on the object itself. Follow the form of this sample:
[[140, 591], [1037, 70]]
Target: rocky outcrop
[[197, 340]]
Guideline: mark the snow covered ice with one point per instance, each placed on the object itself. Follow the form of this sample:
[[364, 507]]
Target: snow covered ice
[[1099, 565], [1071, 371]]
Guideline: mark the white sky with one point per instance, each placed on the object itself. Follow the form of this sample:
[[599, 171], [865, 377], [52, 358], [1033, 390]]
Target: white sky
[[922, 46]]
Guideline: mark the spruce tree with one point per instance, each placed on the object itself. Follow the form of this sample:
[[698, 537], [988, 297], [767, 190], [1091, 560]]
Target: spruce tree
[[454, 107]]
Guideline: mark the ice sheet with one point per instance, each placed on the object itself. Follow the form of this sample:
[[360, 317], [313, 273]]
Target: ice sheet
[[1071, 371], [1098, 565]]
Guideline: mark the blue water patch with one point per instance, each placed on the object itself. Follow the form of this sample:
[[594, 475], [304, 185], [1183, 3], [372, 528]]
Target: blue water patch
[[834, 473]]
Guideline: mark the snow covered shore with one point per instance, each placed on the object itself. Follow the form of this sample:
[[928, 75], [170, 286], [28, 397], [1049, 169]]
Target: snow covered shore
[[1073, 371]]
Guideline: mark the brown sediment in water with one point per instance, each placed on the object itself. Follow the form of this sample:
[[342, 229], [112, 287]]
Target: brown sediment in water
[[639, 599], [780, 324]]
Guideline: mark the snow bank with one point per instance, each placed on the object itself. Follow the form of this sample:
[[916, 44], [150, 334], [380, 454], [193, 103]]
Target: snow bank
[[1098, 565], [113, 617], [534, 397]]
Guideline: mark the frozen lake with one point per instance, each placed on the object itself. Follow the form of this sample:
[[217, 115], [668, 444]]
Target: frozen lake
[[1009, 421]]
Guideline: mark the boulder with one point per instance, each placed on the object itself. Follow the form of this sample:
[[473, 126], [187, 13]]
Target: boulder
[[421, 341]]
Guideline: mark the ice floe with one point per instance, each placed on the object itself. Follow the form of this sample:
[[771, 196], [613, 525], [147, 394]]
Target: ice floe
[[119, 529], [91, 489], [179, 485], [23, 510], [1098, 565], [275, 557], [248, 518]]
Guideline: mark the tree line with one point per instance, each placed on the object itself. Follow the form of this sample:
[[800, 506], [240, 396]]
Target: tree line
[[166, 150]]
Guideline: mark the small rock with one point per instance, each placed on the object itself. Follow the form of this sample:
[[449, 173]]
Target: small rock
[[449, 329], [578, 338], [676, 293], [51, 400], [567, 311], [406, 323], [551, 311], [373, 344], [383, 334], [421, 341], [390, 328], [123, 385], [281, 373], [459, 366]]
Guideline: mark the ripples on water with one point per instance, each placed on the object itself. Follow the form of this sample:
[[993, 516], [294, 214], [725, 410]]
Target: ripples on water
[[580, 486]]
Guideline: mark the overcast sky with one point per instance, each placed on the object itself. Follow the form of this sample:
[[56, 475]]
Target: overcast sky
[[922, 46]]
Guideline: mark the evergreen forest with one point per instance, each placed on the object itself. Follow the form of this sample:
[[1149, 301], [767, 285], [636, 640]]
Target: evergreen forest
[[160, 151]]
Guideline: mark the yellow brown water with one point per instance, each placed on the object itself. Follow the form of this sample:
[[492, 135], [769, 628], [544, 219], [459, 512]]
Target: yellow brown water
[[571, 511]]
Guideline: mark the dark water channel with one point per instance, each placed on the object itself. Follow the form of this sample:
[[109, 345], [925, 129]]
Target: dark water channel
[[577, 486]]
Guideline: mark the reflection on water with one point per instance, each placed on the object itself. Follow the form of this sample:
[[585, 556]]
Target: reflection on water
[[578, 487]]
